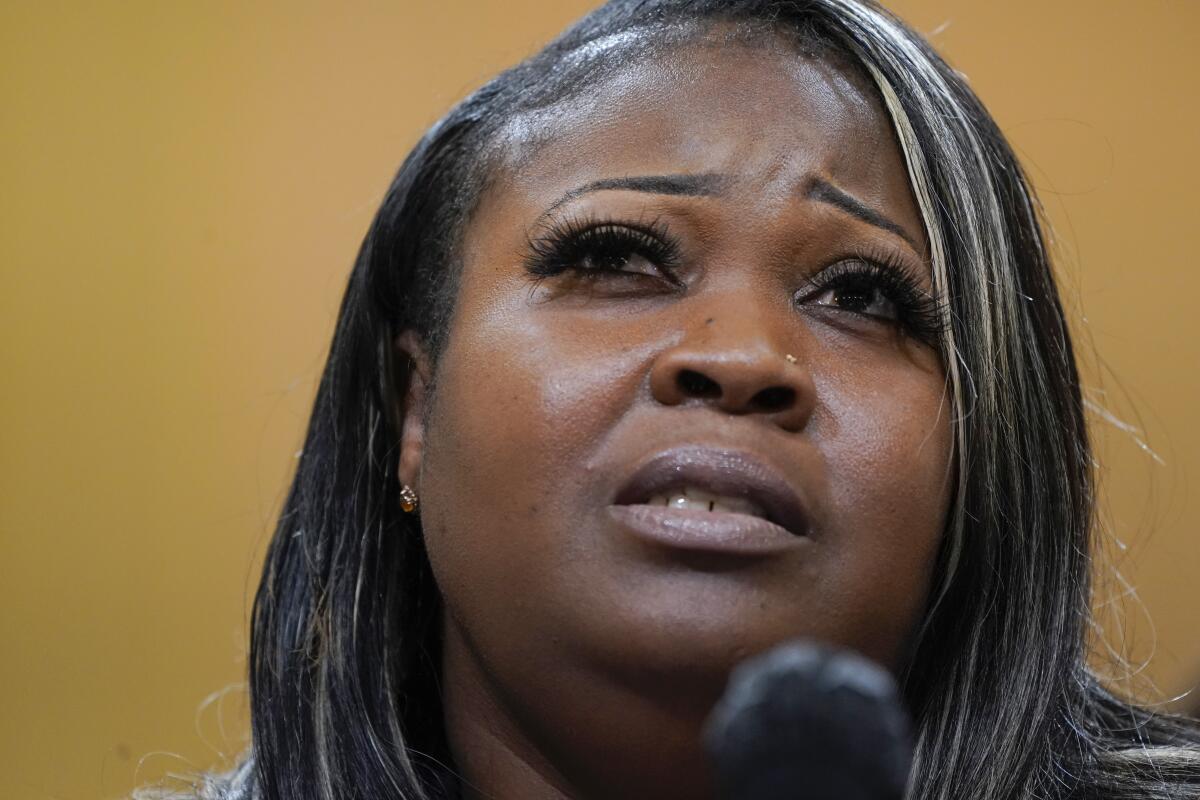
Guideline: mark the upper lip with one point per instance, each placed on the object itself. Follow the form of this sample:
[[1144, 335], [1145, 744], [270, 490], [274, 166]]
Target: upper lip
[[721, 471]]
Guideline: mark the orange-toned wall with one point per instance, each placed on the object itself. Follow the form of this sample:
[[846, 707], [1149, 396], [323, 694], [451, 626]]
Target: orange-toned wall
[[182, 189]]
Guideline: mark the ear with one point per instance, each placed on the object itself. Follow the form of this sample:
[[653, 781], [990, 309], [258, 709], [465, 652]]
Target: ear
[[410, 351]]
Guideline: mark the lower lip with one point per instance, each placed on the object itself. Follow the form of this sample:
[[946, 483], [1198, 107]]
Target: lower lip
[[710, 531]]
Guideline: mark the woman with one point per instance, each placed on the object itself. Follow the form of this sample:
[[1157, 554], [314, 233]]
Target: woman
[[713, 325]]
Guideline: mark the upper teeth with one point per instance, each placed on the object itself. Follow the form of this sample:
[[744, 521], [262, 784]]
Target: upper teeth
[[689, 497]]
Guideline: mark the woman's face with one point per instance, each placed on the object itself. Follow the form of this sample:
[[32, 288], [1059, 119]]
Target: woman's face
[[709, 278]]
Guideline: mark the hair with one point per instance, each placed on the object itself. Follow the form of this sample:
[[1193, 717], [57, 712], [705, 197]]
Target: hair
[[345, 647]]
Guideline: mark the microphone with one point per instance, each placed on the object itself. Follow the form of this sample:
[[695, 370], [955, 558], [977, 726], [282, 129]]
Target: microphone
[[808, 722]]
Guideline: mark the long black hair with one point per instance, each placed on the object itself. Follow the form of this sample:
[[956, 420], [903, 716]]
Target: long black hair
[[345, 648]]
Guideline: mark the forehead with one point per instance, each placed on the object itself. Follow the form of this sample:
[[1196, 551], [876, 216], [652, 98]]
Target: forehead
[[764, 115]]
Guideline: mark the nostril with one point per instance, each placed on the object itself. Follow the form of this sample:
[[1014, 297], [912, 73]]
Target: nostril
[[775, 398], [694, 384]]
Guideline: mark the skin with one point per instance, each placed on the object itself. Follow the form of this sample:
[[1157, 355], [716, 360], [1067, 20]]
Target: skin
[[577, 661]]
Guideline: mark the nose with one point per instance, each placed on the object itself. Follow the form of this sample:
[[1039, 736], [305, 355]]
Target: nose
[[733, 366]]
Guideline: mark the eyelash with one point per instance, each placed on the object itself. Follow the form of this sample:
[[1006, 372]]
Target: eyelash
[[917, 312], [567, 244]]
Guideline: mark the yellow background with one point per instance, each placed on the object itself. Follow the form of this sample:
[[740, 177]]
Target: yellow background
[[182, 189]]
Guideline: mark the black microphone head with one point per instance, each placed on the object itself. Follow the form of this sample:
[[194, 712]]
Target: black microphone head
[[807, 722]]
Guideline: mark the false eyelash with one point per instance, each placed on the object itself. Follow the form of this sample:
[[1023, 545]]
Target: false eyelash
[[918, 313], [566, 243]]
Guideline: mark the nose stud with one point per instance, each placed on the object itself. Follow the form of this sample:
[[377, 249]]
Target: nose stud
[[791, 359]]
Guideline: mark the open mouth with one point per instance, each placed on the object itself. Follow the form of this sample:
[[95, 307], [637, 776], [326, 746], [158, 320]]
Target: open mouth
[[727, 483], [691, 497]]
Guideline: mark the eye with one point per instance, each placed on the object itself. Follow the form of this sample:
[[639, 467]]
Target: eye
[[878, 291], [619, 255], [861, 298], [599, 250]]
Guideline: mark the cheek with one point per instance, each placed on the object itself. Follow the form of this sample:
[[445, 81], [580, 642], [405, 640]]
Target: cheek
[[521, 407], [889, 448], [887, 443], [523, 398]]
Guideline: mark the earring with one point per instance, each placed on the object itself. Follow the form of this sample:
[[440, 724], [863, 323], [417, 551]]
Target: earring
[[408, 498]]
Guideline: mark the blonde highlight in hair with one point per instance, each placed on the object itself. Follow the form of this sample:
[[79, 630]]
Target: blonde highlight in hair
[[995, 234]]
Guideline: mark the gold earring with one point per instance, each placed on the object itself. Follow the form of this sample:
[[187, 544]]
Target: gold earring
[[408, 498]]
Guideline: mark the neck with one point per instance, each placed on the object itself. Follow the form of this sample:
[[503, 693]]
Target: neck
[[560, 732]]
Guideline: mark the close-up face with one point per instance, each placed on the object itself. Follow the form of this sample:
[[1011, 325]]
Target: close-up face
[[691, 403]]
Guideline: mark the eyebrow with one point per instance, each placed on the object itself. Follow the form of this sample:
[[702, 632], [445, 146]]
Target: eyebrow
[[709, 184], [824, 192], [704, 184]]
